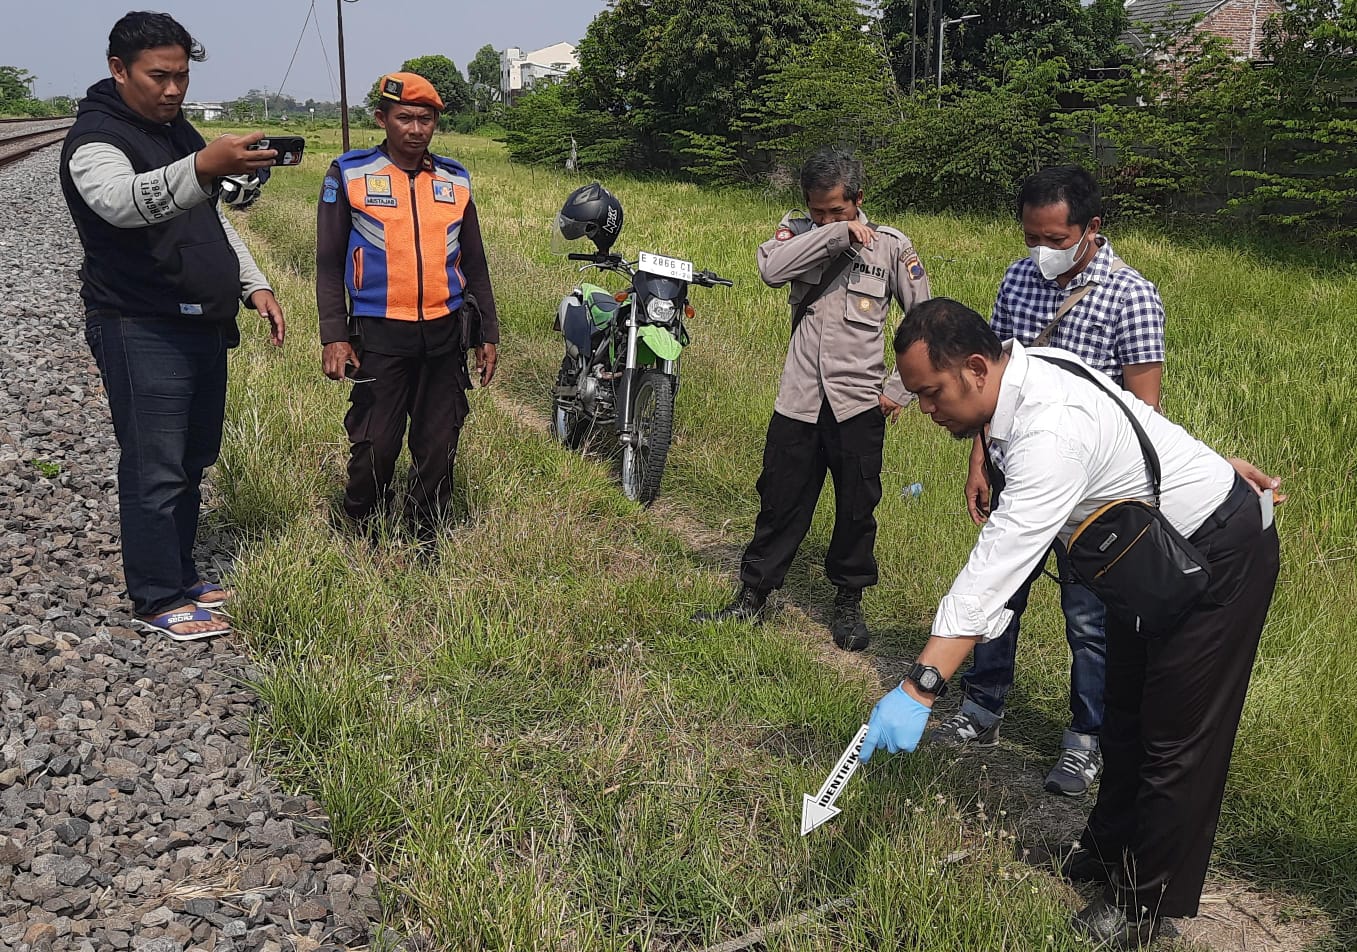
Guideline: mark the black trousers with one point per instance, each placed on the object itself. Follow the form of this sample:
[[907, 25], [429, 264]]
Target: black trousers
[[796, 456], [1172, 710], [431, 393]]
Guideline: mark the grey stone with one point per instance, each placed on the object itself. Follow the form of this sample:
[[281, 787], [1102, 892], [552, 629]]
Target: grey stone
[[72, 830]]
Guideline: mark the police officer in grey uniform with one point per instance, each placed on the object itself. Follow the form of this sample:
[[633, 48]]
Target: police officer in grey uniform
[[834, 397]]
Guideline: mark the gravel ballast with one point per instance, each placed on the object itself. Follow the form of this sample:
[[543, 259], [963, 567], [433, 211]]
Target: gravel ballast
[[131, 813]]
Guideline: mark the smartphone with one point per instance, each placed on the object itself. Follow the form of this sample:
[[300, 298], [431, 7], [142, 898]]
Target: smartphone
[[1266, 502], [289, 148], [351, 373]]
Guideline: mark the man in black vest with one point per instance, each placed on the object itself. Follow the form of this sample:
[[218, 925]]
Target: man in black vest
[[163, 278]]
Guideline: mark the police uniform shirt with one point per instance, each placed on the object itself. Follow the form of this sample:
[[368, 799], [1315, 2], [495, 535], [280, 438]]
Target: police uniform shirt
[[837, 354], [1068, 450]]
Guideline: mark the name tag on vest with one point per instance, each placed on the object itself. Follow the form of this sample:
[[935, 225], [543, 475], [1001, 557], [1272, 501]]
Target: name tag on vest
[[378, 188]]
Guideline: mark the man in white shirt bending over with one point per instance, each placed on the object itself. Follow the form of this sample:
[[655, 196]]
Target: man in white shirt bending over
[[1172, 703]]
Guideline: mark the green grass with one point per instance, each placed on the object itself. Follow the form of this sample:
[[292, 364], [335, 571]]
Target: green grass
[[524, 733]]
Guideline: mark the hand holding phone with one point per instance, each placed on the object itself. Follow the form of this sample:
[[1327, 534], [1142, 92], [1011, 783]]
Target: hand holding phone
[[354, 375], [289, 148]]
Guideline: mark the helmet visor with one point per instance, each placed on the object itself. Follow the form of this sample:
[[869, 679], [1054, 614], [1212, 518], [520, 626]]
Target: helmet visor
[[564, 232]]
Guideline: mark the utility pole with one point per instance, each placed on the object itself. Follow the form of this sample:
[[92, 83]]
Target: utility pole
[[266, 105], [913, 42], [943, 24], [343, 85]]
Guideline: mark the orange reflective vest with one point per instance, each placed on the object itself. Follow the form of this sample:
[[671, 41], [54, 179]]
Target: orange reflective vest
[[404, 253]]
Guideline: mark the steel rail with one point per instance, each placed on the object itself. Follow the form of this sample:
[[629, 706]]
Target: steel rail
[[20, 143]]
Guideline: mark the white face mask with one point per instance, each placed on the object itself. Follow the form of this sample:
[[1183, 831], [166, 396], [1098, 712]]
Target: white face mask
[[1053, 262]]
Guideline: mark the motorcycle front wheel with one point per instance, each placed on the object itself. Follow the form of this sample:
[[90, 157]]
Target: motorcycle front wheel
[[644, 457]]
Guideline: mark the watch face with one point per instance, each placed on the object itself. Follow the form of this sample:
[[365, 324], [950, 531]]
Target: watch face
[[928, 679]]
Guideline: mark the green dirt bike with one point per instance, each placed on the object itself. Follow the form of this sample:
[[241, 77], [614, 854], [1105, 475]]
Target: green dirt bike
[[622, 351]]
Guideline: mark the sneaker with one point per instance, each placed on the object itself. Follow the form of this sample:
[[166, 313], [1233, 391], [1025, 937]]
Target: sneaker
[[848, 628], [962, 729], [747, 605], [1074, 772]]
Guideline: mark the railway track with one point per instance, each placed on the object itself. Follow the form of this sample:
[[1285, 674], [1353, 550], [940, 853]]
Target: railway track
[[19, 137]]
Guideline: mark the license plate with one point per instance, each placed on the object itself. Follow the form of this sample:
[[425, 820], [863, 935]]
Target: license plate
[[665, 267]]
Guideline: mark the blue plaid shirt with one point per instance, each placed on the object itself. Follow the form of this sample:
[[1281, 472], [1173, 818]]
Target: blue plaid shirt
[[1119, 323]]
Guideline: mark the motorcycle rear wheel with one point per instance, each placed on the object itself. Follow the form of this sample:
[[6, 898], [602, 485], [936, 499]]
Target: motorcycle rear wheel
[[643, 459]]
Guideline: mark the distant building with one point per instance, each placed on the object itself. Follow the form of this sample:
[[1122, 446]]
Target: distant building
[[205, 111], [1240, 22], [518, 71]]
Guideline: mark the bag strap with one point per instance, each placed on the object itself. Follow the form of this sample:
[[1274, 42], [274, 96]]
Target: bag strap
[[1146, 447], [835, 269], [1044, 338]]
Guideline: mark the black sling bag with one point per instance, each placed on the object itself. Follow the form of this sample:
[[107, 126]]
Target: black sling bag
[[1130, 555]]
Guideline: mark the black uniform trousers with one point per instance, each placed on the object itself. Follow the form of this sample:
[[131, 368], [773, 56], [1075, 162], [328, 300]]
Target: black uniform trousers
[[1172, 709], [796, 456], [431, 392]]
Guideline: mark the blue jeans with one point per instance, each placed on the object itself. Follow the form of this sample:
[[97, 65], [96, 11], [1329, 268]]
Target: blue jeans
[[990, 678], [166, 385]]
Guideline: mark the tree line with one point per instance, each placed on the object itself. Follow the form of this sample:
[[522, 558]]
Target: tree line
[[735, 91]]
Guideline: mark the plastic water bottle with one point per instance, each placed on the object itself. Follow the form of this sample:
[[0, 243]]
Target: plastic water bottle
[[912, 491]]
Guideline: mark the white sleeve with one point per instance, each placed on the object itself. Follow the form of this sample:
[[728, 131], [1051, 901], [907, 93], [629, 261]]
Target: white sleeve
[[1045, 478], [251, 278], [105, 179]]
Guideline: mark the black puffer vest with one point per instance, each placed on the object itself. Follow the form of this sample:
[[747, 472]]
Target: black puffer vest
[[182, 267]]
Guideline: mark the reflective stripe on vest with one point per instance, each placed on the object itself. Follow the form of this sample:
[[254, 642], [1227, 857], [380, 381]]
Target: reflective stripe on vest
[[404, 255]]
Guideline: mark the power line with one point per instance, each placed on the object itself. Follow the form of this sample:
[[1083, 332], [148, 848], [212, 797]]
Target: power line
[[300, 36], [315, 21]]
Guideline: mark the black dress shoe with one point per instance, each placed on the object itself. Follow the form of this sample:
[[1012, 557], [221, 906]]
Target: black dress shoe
[[748, 605], [1085, 866], [1109, 925], [848, 628]]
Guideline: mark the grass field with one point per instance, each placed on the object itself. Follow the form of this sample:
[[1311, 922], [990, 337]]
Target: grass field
[[524, 734]]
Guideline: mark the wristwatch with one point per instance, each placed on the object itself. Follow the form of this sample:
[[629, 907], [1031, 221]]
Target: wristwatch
[[928, 680]]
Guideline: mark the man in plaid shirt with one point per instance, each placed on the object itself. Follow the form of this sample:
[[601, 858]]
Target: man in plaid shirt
[[1116, 326]]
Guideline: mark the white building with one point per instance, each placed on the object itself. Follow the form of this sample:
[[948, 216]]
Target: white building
[[519, 70], [204, 111]]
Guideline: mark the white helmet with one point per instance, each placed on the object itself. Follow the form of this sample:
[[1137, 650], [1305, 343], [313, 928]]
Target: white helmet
[[240, 191]]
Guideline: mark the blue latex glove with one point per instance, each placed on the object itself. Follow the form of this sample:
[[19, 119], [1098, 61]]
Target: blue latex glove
[[897, 723]]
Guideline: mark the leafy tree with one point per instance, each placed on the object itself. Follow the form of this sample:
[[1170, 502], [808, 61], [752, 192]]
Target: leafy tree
[[14, 83], [442, 73], [972, 152], [839, 91], [1085, 37], [484, 68], [1311, 103], [675, 73]]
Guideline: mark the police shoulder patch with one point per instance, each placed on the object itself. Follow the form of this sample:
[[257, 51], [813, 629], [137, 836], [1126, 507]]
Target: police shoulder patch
[[915, 267], [783, 233], [330, 193]]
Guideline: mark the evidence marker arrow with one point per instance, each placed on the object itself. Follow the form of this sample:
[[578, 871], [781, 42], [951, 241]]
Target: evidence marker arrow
[[820, 808]]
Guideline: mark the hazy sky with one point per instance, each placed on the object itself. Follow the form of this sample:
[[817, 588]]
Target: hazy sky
[[249, 42]]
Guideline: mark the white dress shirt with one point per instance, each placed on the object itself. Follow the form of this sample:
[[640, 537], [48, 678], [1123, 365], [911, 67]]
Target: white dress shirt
[[1066, 450]]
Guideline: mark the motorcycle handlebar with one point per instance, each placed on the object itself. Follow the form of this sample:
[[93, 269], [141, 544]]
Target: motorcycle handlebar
[[709, 279]]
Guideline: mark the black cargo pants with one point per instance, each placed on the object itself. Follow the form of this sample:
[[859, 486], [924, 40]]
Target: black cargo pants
[[429, 391], [796, 456]]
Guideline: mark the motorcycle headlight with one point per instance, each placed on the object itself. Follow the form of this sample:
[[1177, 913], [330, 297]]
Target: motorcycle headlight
[[660, 311]]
